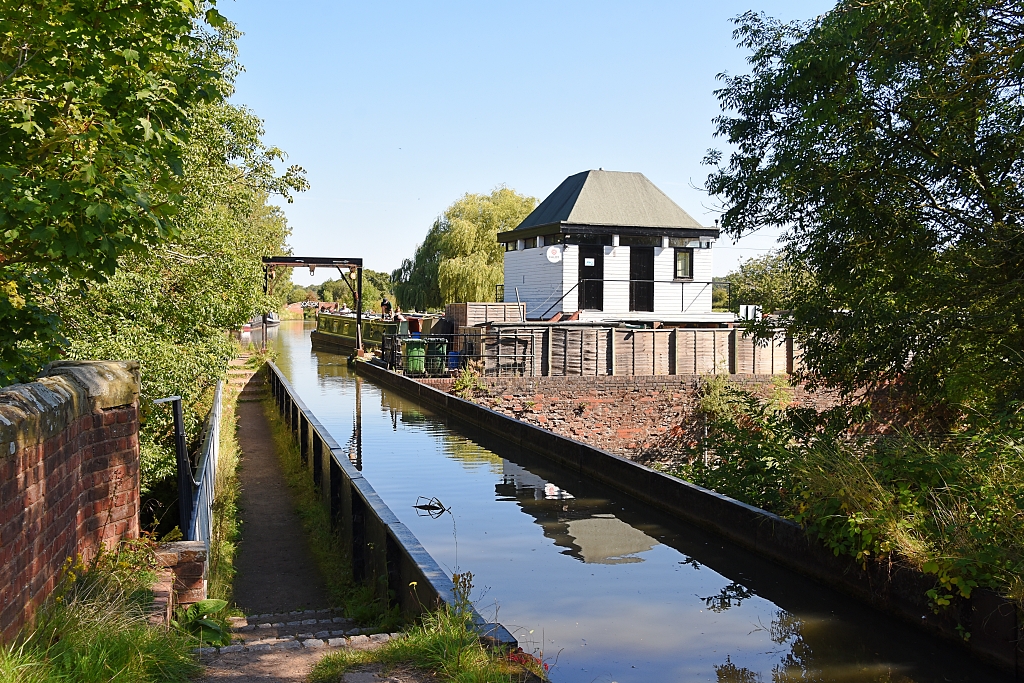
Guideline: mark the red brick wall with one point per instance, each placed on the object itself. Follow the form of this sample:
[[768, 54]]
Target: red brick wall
[[69, 483], [641, 417]]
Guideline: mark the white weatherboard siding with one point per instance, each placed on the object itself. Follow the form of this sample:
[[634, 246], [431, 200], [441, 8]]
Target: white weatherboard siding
[[698, 293], [668, 295], [570, 276], [539, 281], [616, 268]]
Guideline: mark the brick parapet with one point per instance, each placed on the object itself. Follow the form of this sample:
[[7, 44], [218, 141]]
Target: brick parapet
[[187, 560], [69, 476]]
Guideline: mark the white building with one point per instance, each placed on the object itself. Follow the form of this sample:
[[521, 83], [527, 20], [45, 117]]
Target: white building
[[614, 247]]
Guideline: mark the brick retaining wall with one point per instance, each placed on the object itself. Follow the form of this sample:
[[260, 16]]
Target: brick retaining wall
[[69, 476], [641, 417]]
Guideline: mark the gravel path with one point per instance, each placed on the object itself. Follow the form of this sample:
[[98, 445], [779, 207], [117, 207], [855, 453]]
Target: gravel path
[[276, 572]]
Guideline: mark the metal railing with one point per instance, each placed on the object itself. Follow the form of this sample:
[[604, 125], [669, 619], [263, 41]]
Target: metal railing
[[200, 525], [637, 286], [493, 353]]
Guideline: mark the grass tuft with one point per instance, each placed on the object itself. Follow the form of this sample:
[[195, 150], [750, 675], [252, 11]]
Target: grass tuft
[[94, 628], [443, 643]]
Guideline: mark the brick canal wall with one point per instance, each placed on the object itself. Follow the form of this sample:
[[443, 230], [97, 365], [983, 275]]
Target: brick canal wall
[[645, 418], [69, 476]]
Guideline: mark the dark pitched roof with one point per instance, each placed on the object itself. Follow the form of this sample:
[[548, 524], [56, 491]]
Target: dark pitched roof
[[611, 198]]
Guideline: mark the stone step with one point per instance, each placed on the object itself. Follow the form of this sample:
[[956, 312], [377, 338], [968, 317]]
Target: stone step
[[290, 623], [359, 642]]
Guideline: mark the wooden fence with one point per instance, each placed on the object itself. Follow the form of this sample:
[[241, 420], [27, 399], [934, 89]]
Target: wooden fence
[[595, 350]]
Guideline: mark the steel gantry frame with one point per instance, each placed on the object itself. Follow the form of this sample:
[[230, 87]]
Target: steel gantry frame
[[314, 262]]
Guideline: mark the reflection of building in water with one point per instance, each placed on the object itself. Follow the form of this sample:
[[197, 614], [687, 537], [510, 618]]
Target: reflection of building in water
[[526, 481], [582, 527]]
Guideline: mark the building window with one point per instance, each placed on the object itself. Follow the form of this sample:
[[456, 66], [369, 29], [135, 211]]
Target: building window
[[530, 243], [639, 241], [681, 242], [554, 239], [684, 263], [511, 246]]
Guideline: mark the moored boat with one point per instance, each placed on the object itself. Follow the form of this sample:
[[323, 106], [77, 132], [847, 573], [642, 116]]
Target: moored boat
[[338, 331]]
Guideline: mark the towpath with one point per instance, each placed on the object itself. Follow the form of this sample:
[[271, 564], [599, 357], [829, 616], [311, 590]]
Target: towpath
[[290, 624]]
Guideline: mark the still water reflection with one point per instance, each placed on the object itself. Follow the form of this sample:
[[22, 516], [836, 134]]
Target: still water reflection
[[608, 589]]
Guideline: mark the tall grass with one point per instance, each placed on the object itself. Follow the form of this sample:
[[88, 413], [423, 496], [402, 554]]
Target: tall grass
[[226, 530], [443, 643], [363, 603], [94, 628], [951, 505]]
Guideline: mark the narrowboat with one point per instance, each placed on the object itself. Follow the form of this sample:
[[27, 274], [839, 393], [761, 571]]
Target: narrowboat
[[337, 331]]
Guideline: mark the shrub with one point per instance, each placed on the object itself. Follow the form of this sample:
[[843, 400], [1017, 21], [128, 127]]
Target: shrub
[[950, 505]]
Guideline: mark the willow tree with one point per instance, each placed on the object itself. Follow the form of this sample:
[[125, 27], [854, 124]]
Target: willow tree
[[461, 259], [886, 138]]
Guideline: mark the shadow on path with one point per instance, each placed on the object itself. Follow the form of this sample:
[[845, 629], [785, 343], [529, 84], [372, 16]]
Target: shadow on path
[[276, 572]]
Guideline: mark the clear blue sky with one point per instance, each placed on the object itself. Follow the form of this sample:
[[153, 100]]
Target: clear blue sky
[[397, 109]]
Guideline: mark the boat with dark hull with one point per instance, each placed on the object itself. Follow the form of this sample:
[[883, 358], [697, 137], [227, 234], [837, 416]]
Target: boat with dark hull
[[337, 331]]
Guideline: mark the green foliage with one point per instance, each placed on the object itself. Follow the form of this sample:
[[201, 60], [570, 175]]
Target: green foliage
[[950, 506], [885, 138], [376, 285], [444, 643], [461, 258], [170, 306], [94, 628], [204, 622], [298, 294], [774, 281], [468, 383], [93, 109], [133, 209]]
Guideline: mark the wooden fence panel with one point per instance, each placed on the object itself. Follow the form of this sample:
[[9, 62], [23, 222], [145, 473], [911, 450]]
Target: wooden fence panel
[[749, 358], [642, 352], [579, 351], [515, 351], [701, 351]]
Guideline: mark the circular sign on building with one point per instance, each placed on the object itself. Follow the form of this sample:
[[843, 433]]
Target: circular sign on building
[[554, 254]]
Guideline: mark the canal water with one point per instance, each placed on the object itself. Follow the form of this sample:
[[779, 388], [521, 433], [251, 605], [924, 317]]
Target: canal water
[[604, 587]]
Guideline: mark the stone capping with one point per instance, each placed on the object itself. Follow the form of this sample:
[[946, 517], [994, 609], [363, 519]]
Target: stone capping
[[64, 391], [996, 633], [187, 561]]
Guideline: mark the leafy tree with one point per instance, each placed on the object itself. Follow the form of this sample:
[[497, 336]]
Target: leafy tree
[[169, 307], [886, 138], [461, 258], [376, 285], [95, 104], [775, 282], [299, 293]]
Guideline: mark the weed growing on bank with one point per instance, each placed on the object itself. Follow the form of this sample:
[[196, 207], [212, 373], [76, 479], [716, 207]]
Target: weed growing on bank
[[360, 602], [442, 642], [94, 628], [468, 383], [226, 530], [950, 505]]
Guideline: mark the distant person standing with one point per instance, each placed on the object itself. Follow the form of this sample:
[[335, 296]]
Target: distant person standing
[[385, 308]]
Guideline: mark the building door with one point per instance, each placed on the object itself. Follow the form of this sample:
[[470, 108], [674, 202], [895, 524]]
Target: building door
[[591, 277], [641, 279]]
